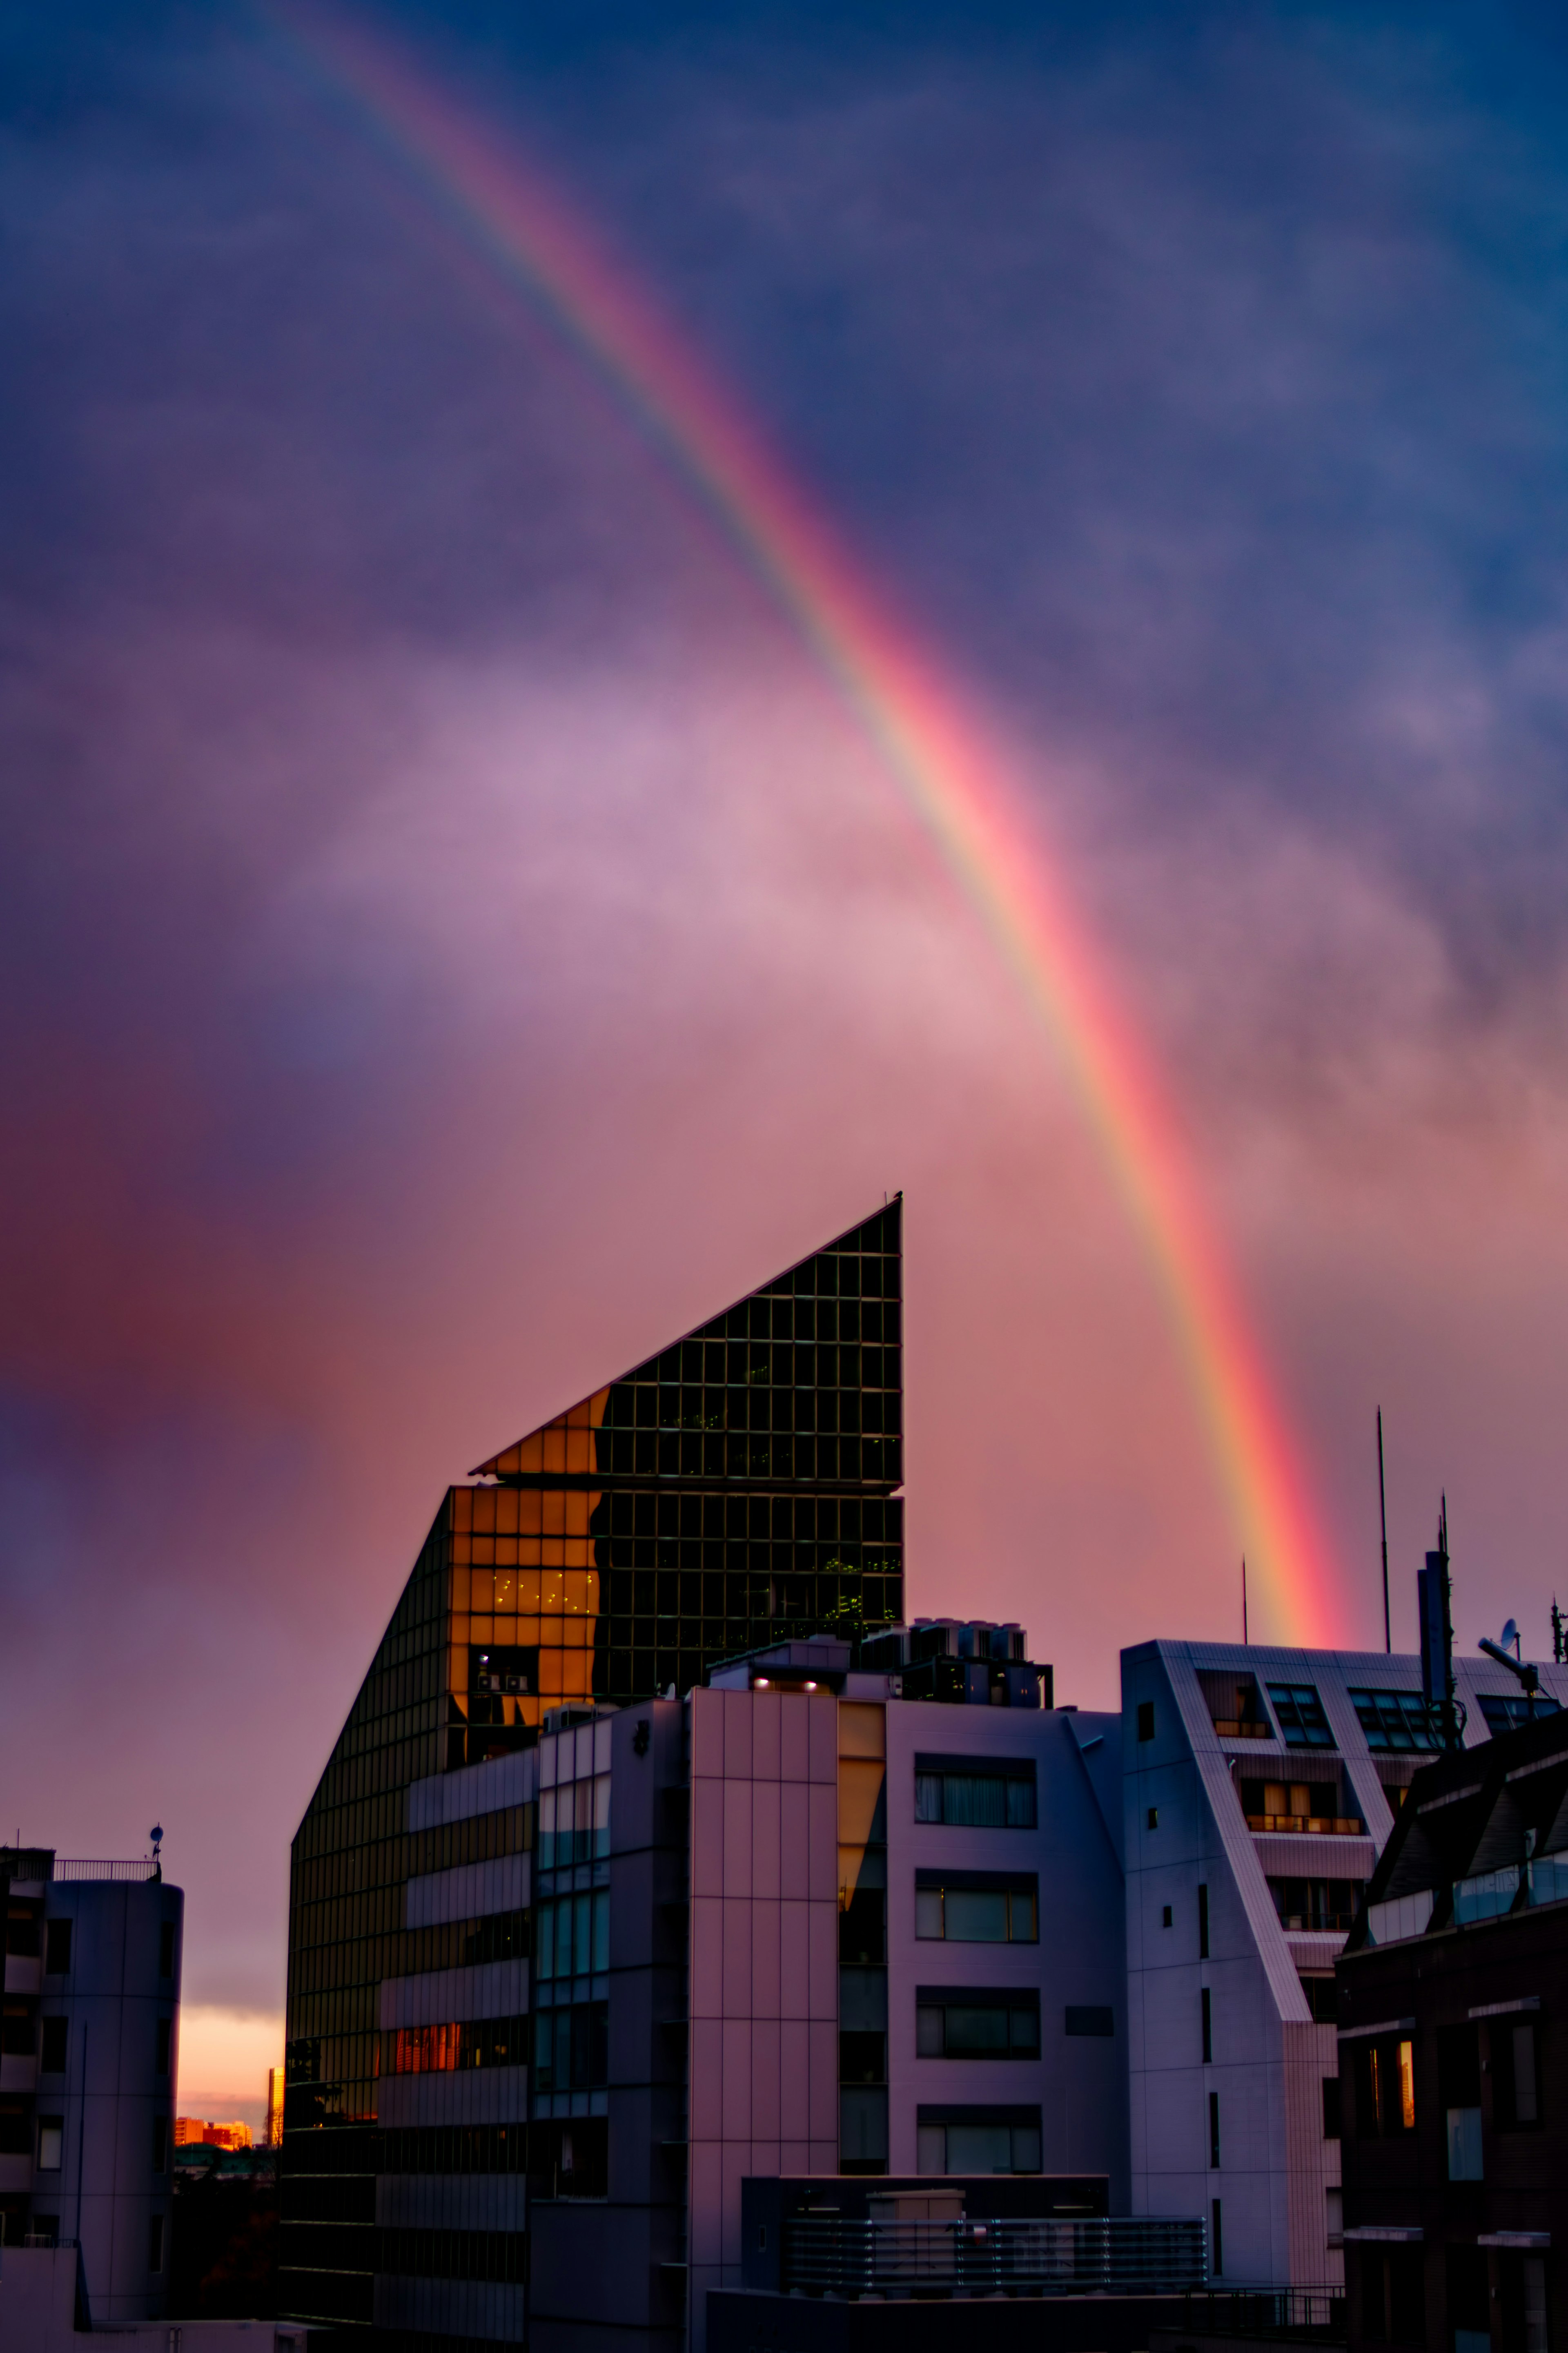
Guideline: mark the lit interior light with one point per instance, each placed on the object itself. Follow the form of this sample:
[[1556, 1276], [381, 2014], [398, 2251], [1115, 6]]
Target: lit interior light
[[811, 1687], [761, 1683]]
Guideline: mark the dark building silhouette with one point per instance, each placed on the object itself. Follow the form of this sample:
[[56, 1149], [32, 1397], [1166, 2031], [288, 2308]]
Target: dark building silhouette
[[738, 1487], [1453, 2039]]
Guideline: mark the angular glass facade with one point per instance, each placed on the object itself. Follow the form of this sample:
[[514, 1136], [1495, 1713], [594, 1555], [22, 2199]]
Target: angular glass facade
[[739, 1485]]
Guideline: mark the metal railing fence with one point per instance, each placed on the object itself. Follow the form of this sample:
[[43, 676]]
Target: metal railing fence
[[1289, 2315], [135, 1872], [1097, 2256]]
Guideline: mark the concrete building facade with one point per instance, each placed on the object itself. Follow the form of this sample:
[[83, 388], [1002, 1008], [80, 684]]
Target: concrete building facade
[[793, 1925]]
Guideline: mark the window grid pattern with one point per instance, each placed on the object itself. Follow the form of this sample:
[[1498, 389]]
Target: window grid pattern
[[1398, 1721], [1299, 1714], [738, 1486]]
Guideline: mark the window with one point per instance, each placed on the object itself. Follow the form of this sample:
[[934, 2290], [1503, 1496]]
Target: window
[[574, 1823], [440, 2050], [862, 2057], [572, 2047], [44, 2229], [1459, 2097], [1145, 1719], [22, 1931], [1206, 2020], [1516, 2102], [1313, 1806], [976, 1907], [975, 1792], [863, 1921], [1203, 1920], [15, 2128], [166, 1949], [1330, 2107], [1384, 2088], [495, 2256], [55, 2038], [1089, 2018], [1300, 1716], [1153, 1818], [159, 2144], [161, 2054], [574, 1938], [862, 2130], [1469, 2298], [569, 2160], [1393, 2296], [502, 1936], [976, 2023], [51, 2143], [1214, 2130], [57, 1948], [156, 2242], [1521, 2292], [19, 2034], [1165, 1915], [1318, 1904], [1320, 1992], [1395, 1720], [1216, 2238], [977, 2141], [1506, 1711], [1334, 2204]]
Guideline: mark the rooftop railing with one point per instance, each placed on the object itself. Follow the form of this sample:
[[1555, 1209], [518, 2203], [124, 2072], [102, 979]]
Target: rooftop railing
[[827, 2253], [137, 1873], [1289, 2315]]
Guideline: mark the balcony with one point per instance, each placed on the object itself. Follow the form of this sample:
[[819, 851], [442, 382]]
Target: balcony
[[1310, 1825], [829, 2254], [1232, 1727]]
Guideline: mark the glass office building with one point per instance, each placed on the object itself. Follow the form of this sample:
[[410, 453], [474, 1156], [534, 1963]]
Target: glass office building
[[739, 1485]]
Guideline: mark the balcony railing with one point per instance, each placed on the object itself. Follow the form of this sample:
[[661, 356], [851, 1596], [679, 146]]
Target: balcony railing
[[1289, 2315], [136, 1872], [1233, 1727], [1310, 1825], [828, 2254]]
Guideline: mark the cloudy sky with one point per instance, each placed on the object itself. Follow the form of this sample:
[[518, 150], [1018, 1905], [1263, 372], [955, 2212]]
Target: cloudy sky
[[453, 936]]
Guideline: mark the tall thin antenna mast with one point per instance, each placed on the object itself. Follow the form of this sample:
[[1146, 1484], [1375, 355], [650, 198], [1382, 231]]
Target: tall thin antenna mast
[[1383, 1523], [1243, 1641]]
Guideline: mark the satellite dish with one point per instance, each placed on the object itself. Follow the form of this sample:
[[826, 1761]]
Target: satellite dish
[[156, 1833], [1508, 1636]]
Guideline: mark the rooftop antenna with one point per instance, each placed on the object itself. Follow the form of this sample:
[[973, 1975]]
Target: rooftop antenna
[[1438, 1688], [1557, 1638], [1243, 1641], [1505, 1651], [1383, 1523]]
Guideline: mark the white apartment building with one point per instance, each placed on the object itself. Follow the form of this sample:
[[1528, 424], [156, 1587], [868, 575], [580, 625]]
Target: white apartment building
[[1260, 1788]]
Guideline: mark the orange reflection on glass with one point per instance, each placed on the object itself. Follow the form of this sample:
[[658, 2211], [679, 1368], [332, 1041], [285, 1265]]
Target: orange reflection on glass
[[424, 2050]]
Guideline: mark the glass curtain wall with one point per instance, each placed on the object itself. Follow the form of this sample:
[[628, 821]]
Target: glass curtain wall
[[739, 1486]]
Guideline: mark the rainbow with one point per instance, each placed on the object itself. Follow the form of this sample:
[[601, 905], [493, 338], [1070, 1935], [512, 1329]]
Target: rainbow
[[954, 777]]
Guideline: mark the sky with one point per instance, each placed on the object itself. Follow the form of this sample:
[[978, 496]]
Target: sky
[[455, 935]]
